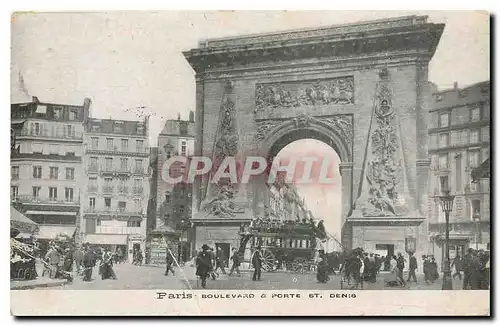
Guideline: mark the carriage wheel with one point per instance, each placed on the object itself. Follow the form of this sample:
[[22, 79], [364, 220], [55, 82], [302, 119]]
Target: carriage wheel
[[299, 265], [268, 261]]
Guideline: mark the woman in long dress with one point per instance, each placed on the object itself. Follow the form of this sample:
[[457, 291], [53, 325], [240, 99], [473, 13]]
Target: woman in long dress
[[393, 279]]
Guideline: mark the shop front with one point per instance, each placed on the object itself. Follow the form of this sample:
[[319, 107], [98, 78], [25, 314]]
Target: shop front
[[135, 243]]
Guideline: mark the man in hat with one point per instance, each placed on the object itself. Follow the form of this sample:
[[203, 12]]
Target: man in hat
[[107, 265], [220, 261], [88, 263], [169, 261], [53, 258], [257, 263], [204, 265]]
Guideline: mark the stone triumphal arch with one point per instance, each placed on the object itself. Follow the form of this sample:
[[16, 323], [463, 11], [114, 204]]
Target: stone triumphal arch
[[361, 88]]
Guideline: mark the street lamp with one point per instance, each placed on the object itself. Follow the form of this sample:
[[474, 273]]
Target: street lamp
[[476, 217], [447, 205]]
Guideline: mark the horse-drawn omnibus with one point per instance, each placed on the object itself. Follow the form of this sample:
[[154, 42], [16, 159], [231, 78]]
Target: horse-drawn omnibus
[[289, 246]]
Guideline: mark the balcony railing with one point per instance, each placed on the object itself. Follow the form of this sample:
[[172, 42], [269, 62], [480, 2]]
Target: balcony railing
[[59, 134], [118, 230], [75, 200], [116, 149], [107, 169], [92, 168], [92, 188], [113, 211], [14, 177], [138, 190], [123, 170], [123, 190], [107, 189]]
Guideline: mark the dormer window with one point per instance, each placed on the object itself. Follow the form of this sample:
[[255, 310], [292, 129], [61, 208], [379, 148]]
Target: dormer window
[[439, 98]]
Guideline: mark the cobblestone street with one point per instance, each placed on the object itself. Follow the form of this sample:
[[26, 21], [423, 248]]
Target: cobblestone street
[[131, 277]]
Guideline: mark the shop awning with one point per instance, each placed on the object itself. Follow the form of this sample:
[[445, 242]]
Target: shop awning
[[50, 213], [20, 222], [106, 239], [51, 232]]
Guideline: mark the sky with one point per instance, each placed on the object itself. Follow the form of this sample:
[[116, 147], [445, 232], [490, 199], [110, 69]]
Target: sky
[[125, 60]]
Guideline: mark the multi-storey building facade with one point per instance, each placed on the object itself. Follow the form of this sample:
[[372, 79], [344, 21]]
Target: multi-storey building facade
[[116, 184], [459, 133], [46, 164], [173, 201]]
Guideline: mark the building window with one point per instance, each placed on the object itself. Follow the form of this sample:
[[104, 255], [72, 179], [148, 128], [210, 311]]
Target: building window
[[473, 159], [14, 172], [95, 142], [54, 173], [121, 206], [37, 172], [52, 193], [124, 145], [443, 161], [183, 128], [183, 148], [68, 194], [93, 163], [36, 192], [475, 114], [139, 145], [474, 136], [169, 154], [137, 205], [14, 192], [444, 140], [167, 198], [118, 127], [109, 163], [107, 202], [57, 113], [109, 144], [93, 182], [444, 120], [98, 222], [73, 115], [70, 173], [92, 202], [138, 166], [133, 224], [476, 207], [70, 131], [108, 181], [35, 127], [123, 163]]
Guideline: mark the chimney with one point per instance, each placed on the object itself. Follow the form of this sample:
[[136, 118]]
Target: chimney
[[191, 116], [178, 116], [35, 99], [455, 86]]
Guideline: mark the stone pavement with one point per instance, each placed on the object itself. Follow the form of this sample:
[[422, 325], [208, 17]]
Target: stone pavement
[[151, 277]]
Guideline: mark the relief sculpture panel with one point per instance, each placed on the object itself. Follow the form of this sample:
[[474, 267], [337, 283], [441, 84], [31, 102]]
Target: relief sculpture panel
[[313, 93]]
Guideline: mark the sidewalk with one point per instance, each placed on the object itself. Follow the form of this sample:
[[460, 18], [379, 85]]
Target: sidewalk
[[39, 282]]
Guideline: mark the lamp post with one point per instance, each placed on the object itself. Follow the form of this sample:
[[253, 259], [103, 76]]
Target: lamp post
[[477, 219], [447, 206]]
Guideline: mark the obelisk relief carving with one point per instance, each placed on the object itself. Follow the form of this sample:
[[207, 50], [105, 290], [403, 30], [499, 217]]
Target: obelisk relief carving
[[221, 196], [383, 185]]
